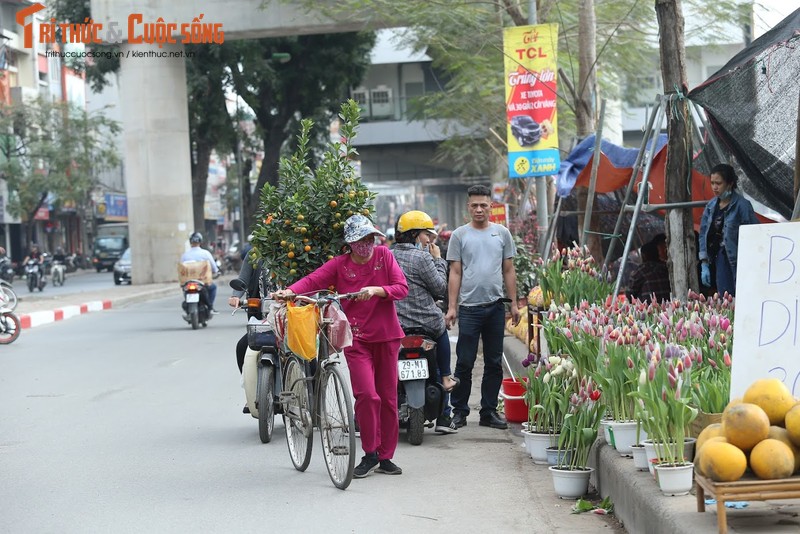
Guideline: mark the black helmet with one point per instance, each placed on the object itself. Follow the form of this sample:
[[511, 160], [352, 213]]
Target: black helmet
[[196, 237]]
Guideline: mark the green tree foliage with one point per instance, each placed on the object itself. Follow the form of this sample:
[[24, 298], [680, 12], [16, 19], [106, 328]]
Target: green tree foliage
[[52, 149], [310, 86], [465, 38], [301, 219]]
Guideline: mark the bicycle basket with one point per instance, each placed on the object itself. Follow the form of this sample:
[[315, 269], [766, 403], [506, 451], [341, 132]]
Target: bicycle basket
[[260, 336]]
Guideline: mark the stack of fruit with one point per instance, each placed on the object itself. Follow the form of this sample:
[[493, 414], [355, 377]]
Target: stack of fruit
[[760, 430]]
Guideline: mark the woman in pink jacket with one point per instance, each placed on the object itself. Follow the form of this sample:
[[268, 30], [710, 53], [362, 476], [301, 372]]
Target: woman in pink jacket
[[372, 359]]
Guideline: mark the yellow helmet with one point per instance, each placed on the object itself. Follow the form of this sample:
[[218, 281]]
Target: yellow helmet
[[415, 220]]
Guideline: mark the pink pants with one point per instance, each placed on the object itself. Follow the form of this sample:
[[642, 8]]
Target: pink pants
[[373, 374]]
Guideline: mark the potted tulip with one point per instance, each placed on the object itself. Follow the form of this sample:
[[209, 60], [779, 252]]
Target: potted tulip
[[549, 386], [665, 411], [578, 434]]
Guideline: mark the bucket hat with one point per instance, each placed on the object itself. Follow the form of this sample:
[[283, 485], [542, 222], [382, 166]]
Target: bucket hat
[[357, 227]]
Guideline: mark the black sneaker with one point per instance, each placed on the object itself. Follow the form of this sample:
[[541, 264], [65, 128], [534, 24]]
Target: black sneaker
[[368, 464], [459, 420], [388, 467], [246, 409], [444, 425]]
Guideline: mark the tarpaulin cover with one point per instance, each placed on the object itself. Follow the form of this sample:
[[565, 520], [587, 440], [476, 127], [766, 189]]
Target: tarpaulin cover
[[752, 106]]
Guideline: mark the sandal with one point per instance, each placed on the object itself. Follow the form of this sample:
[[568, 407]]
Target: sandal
[[455, 383]]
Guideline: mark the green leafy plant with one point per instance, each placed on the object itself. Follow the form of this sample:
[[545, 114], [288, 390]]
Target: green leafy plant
[[301, 220], [579, 431], [664, 407]]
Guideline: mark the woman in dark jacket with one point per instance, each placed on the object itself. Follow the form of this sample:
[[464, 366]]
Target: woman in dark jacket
[[719, 230]]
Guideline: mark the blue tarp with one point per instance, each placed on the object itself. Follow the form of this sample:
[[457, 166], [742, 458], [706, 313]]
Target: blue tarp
[[578, 159]]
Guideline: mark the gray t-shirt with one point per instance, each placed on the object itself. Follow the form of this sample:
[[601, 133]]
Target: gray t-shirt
[[481, 253]]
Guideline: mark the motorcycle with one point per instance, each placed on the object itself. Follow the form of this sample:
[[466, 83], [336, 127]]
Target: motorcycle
[[6, 269], [420, 398], [261, 372], [33, 275], [195, 303], [10, 326], [58, 273]]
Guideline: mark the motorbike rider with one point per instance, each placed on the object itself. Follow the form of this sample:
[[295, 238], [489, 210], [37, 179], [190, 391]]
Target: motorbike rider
[[426, 272], [250, 276], [196, 253], [35, 254]]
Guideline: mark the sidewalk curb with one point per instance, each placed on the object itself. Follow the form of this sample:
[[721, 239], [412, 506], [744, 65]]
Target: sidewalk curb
[[638, 502], [38, 318]]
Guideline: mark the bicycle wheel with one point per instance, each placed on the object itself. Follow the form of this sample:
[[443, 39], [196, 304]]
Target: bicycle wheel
[[8, 299], [266, 413], [297, 414], [9, 328], [337, 426]]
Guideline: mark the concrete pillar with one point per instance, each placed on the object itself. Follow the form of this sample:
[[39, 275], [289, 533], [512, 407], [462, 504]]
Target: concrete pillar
[[155, 123]]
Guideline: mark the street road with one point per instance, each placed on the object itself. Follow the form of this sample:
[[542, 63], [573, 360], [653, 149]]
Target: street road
[[129, 421], [81, 280]]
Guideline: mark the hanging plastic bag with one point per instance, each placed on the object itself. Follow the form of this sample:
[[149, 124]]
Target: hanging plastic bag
[[339, 334], [301, 331]]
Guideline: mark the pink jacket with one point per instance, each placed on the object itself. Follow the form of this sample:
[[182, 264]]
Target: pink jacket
[[372, 320]]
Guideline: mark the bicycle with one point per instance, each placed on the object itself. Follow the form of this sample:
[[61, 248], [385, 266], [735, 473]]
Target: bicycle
[[314, 395]]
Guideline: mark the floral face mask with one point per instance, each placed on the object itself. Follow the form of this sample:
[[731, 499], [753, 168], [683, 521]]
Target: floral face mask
[[363, 248]]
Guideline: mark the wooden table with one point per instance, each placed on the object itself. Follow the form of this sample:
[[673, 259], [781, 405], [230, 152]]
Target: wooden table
[[749, 488]]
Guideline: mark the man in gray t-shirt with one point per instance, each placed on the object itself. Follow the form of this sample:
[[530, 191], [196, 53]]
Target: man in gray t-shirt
[[481, 260]]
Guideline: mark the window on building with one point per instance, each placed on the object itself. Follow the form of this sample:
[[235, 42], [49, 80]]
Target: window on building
[[380, 96]]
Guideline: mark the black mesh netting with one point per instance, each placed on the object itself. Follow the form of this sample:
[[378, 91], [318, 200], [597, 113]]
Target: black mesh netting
[[752, 105]]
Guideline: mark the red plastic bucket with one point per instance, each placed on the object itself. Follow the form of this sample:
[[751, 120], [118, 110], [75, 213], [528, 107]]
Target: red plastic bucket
[[514, 406]]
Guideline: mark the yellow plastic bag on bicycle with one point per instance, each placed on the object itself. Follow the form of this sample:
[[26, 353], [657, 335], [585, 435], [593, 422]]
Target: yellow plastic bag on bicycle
[[301, 330]]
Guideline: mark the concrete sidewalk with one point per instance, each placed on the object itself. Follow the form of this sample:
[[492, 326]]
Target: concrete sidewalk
[[642, 508]]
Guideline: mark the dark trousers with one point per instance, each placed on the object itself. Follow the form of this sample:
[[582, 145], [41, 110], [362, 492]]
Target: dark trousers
[[443, 363], [725, 277], [476, 323], [241, 348]]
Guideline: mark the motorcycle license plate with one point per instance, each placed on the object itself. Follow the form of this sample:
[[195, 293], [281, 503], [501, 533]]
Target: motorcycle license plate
[[192, 297], [412, 369]]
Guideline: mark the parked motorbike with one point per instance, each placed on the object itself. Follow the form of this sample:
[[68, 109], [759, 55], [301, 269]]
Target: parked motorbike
[[58, 273], [34, 275], [420, 397], [195, 303], [261, 371], [6, 269]]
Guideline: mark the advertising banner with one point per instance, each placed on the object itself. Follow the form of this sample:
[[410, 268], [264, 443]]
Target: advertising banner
[[532, 122]]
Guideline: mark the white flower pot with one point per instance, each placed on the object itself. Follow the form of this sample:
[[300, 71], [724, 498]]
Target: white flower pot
[[556, 456], [536, 443], [623, 435], [571, 484], [639, 457], [649, 446], [675, 479]]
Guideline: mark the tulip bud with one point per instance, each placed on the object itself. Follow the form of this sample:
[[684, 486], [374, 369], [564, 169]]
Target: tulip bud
[[726, 358], [629, 363], [642, 378]]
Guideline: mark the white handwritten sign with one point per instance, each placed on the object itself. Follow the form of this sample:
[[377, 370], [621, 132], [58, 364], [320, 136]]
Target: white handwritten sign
[[766, 325]]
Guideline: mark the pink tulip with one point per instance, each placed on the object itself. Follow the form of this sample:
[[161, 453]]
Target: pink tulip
[[629, 363], [711, 343], [726, 358], [687, 362], [651, 372], [712, 363], [724, 323]]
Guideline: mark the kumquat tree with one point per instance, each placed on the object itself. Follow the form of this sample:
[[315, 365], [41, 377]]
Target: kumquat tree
[[300, 221]]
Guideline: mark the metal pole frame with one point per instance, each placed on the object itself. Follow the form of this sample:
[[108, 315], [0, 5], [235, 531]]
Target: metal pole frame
[[598, 140], [637, 165], [551, 230], [640, 198]]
